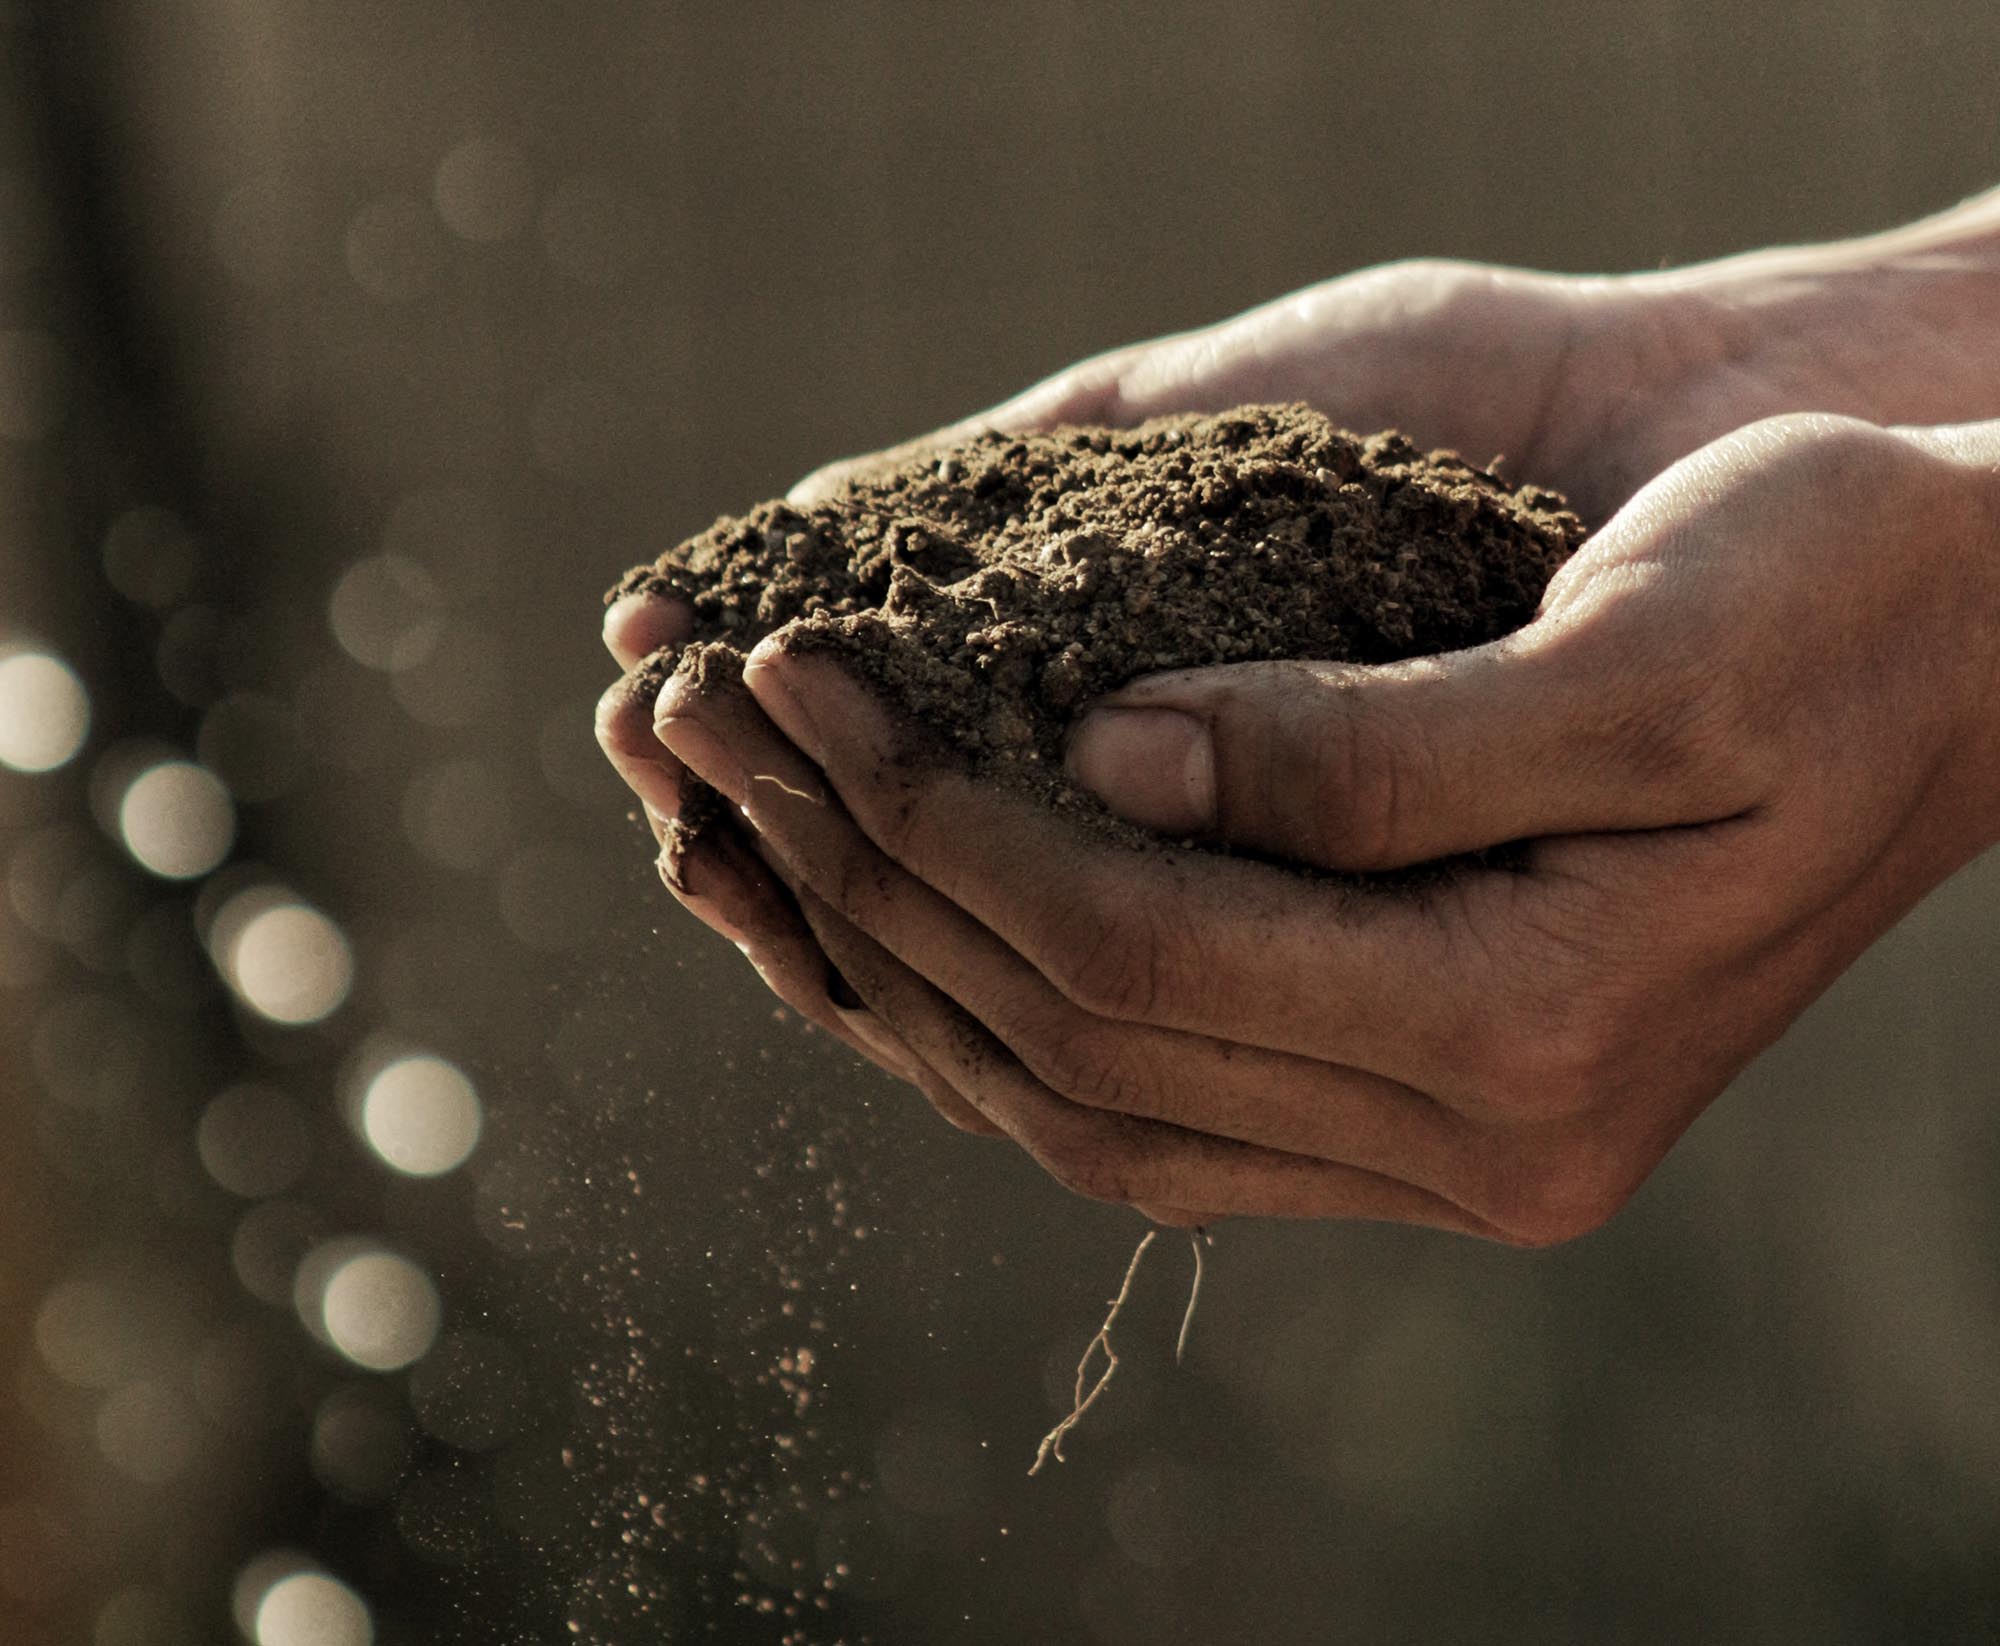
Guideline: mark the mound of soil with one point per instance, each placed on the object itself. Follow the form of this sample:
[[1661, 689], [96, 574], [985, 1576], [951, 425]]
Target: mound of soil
[[991, 590]]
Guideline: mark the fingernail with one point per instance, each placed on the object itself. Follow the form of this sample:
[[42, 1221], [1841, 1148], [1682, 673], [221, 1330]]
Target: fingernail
[[1153, 766], [657, 785], [767, 683], [705, 754]]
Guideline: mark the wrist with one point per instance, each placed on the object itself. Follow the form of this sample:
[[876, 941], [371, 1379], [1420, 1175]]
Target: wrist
[[1896, 328]]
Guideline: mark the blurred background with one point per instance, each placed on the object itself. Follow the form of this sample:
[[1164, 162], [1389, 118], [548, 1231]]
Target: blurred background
[[413, 1229]]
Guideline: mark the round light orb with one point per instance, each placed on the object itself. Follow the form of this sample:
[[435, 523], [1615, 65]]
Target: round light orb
[[287, 962], [360, 1443], [148, 1432], [83, 1332], [253, 1141], [483, 190], [380, 1310], [313, 1609], [177, 819], [44, 712], [456, 814], [259, 1575], [393, 249], [149, 556], [384, 613], [270, 1245], [421, 1115]]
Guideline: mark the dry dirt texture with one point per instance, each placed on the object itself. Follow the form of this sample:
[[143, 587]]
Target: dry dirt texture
[[993, 589]]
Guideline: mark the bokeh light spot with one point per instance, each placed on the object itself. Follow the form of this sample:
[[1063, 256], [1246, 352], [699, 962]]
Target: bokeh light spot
[[177, 819], [188, 654], [149, 556], [461, 682], [421, 1115], [483, 190], [253, 1141], [393, 249], [360, 1444], [148, 1432], [259, 1576], [313, 1609], [269, 1245], [44, 712], [456, 814], [285, 960], [82, 1336], [379, 1310], [384, 613]]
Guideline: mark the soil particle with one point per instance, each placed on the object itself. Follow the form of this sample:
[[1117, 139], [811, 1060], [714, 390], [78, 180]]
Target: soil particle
[[990, 591]]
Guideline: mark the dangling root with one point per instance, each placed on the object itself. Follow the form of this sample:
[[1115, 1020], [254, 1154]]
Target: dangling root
[[1052, 1442], [1197, 1238]]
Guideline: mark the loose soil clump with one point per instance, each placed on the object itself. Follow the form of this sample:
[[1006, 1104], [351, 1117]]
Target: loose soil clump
[[993, 589]]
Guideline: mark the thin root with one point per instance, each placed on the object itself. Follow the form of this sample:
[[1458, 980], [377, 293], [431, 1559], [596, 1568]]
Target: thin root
[[1051, 1445], [1197, 1238], [796, 794], [1081, 1402]]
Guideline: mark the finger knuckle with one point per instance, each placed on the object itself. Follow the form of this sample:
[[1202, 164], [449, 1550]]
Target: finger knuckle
[[1367, 766], [1560, 1058], [1564, 1195], [1105, 962], [1085, 1063]]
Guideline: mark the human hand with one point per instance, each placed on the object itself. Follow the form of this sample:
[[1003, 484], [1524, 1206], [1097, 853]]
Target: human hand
[[1590, 384], [1752, 725]]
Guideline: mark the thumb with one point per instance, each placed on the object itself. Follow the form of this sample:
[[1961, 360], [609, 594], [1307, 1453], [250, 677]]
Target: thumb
[[1356, 767]]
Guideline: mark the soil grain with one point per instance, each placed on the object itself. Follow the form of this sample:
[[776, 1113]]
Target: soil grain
[[992, 589]]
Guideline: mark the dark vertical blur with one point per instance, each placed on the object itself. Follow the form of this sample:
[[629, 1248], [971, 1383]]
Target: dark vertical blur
[[414, 1230]]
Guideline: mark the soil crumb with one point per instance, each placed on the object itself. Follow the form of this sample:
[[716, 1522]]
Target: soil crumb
[[992, 589]]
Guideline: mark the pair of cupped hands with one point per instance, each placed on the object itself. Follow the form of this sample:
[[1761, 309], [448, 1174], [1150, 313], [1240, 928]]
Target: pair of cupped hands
[[1756, 718]]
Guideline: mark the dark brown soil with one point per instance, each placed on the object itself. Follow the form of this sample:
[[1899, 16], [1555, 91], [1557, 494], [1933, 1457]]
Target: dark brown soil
[[993, 589]]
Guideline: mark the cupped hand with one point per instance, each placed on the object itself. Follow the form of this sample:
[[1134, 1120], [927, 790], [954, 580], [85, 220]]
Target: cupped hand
[[1751, 726], [1593, 385]]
